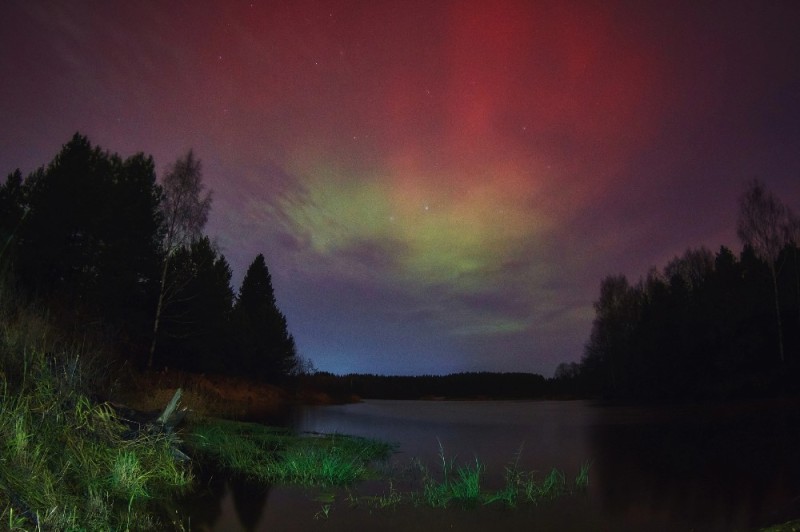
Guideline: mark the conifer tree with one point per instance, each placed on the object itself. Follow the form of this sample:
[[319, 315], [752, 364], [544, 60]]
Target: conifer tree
[[196, 333], [85, 230], [266, 349]]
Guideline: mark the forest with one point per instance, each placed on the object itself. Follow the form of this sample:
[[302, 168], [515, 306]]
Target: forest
[[107, 251], [707, 325]]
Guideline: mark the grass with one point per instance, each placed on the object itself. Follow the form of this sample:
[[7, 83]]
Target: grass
[[65, 464], [68, 463], [462, 485], [65, 461], [278, 456], [790, 526]]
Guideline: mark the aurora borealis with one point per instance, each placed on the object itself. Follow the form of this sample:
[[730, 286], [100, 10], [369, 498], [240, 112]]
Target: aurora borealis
[[436, 186]]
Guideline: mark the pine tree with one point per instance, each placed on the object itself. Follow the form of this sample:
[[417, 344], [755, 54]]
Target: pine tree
[[266, 349]]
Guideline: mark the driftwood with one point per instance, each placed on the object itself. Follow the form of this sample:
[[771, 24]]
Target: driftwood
[[167, 418], [139, 422]]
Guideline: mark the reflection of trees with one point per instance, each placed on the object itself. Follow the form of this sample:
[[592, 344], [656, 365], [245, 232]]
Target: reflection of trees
[[204, 504], [715, 471], [249, 499]]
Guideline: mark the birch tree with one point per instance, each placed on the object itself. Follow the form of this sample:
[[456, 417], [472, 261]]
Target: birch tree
[[184, 209], [762, 224]]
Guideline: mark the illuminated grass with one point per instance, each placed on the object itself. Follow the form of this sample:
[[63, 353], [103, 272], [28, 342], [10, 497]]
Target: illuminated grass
[[278, 456], [64, 463], [462, 485], [790, 526]]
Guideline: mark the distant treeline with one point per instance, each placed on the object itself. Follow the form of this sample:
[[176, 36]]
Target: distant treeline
[[106, 249], [455, 386], [707, 326]]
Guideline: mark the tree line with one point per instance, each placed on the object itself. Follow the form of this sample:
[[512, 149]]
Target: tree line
[[471, 385], [104, 245], [707, 325]]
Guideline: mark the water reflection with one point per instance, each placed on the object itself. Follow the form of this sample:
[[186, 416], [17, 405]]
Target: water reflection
[[226, 504], [652, 469], [204, 505], [712, 468], [541, 434], [249, 499]]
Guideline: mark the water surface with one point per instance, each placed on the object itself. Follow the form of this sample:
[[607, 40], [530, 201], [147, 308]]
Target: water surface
[[677, 468]]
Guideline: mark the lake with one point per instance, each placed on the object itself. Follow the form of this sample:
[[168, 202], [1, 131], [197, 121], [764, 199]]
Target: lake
[[734, 467]]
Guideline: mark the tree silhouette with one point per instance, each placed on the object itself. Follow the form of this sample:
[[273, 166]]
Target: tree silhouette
[[86, 230], [793, 237], [697, 329], [692, 268], [184, 210], [266, 348], [762, 225], [13, 211], [196, 332]]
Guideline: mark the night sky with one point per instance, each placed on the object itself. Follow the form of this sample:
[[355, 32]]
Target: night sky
[[436, 186]]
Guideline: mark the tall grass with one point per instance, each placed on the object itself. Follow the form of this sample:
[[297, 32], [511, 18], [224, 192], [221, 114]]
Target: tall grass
[[65, 463], [462, 484], [458, 484]]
